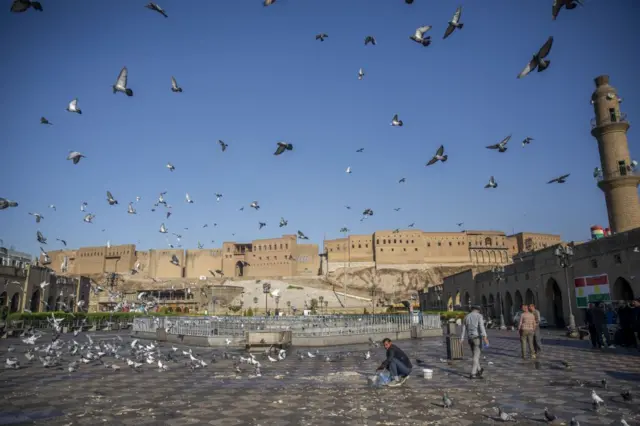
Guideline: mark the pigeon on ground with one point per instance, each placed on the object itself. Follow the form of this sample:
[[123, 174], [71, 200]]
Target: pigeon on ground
[[548, 416], [121, 83], [174, 86], [596, 401], [440, 156], [503, 416], [492, 183], [369, 39], [268, 2], [223, 145], [502, 145], [19, 6], [163, 229], [538, 60], [446, 401], [321, 36], [454, 23], [569, 4], [396, 122], [89, 218], [560, 179], [282, 147], [170, 167], [75, 156], [38, 216], [526, 141], [302, 236], [261, 225], [73, 107], [419, 37], [283, 222], [626, 396], [110, 199], [360, 74], [130, 209], [157, 8], [41, 239], [254, 205], [574, 422], [45, 121]]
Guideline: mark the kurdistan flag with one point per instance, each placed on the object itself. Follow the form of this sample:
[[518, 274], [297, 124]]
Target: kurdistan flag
[[590, 289]]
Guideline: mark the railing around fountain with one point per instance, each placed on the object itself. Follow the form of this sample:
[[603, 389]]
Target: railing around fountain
[[301, 326]]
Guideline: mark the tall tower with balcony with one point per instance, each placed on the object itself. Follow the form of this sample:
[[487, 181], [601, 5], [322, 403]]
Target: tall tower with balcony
[[619, 180]]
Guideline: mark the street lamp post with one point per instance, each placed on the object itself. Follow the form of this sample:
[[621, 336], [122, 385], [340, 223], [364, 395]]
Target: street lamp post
[[498, 274], [266, 289], [564, 254], [438, 291]]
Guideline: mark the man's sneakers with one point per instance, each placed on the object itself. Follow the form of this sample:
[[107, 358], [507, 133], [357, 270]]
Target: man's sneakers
[[398, 381], [478, 375]]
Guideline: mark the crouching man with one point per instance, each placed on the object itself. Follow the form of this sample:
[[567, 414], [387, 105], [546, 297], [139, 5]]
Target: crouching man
[[397, 363]]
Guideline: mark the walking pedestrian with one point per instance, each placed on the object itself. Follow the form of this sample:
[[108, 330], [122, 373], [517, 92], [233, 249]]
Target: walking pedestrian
[[473, 326], [537, 341], [597, 324], [527, 327]]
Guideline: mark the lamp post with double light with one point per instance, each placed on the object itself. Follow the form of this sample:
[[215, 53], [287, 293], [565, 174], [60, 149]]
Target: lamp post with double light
[[498, 275], [266, 289], [564, 255]]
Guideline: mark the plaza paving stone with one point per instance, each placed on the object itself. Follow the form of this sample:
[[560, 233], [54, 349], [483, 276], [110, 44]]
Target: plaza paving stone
[[316, 392]]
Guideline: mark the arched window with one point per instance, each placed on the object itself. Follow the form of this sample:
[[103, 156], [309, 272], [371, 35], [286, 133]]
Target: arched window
[[487, 241]]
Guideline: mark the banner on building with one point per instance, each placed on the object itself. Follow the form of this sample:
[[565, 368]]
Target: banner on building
[[591, 289]]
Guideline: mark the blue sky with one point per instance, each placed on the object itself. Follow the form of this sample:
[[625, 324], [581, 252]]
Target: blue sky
[[255, 75]]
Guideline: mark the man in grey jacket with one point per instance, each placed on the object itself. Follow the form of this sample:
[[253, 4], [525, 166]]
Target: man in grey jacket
[[473, 326]]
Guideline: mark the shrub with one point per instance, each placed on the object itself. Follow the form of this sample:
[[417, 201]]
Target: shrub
[[447, 315], [294, 287]]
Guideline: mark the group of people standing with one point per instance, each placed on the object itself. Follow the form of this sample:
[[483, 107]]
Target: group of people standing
[[599, 318]]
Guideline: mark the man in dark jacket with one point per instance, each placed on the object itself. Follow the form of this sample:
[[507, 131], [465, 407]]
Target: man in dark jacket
[[636, 321], [597, 324], [397, 363]]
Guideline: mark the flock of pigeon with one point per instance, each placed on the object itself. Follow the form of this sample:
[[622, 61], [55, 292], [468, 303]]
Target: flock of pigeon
[[539, 62]]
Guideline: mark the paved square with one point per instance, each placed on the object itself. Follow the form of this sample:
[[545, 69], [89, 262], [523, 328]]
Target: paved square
[[314, 391]]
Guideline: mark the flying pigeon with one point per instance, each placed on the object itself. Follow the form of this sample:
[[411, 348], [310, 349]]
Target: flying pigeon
[[348, 171], [283, 222], [223, 146], [411, 225], [174, 86], [121, 83], [261, 225], [255, 205], [492, 183], [569, 4], [403, 180], [130, 209], [396, 122], [597, 172], [370, 39], [268, 2], [419, 37], [360, 74], [163, 229], [218, 197], [321, 36], [110, 199], [282, 147], [157, 8], [188, 199], [360, 150], [348, 207], [454, 23], [168, 214], [89, 218], [19, 6], [526, 141], [440, 156], [45, 255], [45, 121], [38, 216], [52, 206], [62, 241], [561, 179], [344, 229], [367, 212], [500, 146], [174, 260], [538, 60], [75, 156], [460, 224], [397, 209], [408, 1], [83, 206], [41, 239], [170, 167], [73, 107], [302, 236]]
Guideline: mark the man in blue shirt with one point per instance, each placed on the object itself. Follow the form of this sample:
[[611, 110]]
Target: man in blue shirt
[[473, 325]]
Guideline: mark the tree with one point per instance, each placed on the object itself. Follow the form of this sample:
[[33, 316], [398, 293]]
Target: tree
[[255, 300], [321, 300], [313, 305]]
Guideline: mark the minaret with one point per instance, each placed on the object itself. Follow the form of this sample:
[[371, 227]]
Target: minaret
[[618, 181]]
